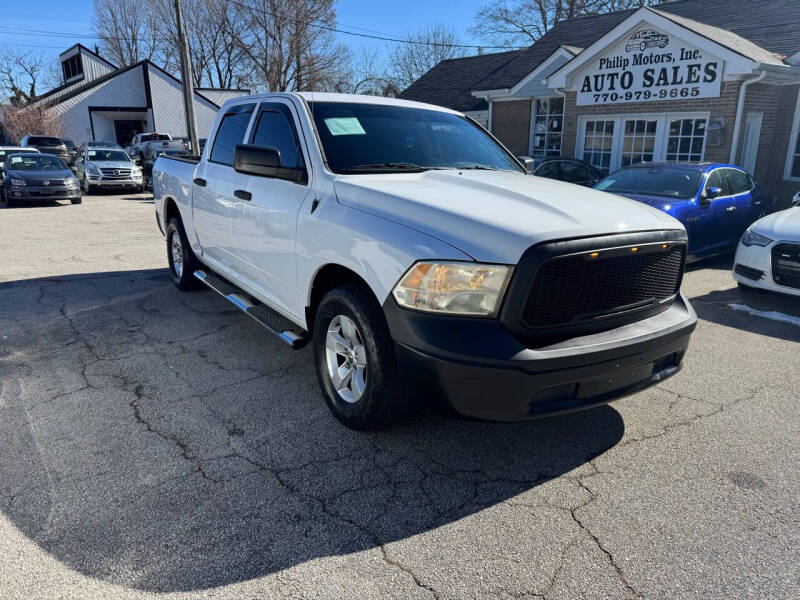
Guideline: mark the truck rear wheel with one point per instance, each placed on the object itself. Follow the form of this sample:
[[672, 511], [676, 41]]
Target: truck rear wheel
[[182, 261], [355, 360]]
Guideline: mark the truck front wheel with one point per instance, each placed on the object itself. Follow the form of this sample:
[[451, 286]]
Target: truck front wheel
[[355, 360], [181, 259]]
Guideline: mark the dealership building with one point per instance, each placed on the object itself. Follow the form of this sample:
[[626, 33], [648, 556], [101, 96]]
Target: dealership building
[[99, 101], [693, 80]]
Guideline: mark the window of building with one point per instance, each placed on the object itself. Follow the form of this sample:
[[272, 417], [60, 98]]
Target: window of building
[[598, 144], [638, 141], [610, 143], [686, 139], [547, 127], [72, 67], [275, 129], [230, 133]]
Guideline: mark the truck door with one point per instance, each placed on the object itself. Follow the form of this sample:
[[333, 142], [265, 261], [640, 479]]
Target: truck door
[[265, 225], [213, 186]]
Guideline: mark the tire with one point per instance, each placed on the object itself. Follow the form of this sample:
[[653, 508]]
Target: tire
[[3, 202], [182, 272], [87, 187], [373, 398], [76, 200], [642, 47]]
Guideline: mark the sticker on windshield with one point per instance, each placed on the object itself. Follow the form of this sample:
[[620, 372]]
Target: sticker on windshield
[[16, 159], [91, 153], [345, 126]]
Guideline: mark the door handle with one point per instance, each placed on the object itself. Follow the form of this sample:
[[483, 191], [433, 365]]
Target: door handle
[[243, 195], [199, 181], [730, 209]]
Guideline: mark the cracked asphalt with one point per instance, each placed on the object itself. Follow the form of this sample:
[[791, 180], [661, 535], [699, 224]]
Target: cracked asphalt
[[156, 444]]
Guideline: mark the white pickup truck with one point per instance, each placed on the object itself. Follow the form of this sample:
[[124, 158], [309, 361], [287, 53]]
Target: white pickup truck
[[420, 259]]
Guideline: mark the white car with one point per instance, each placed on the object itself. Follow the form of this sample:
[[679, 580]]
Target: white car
[[417, 256], [768, 256]]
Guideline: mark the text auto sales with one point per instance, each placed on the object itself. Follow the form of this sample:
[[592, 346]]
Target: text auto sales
[[651, 76]]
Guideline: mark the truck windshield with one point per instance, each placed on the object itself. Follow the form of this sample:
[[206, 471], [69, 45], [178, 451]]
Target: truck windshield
[[673, 182], [376, 138]]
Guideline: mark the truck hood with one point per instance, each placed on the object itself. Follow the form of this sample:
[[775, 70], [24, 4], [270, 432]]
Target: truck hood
[[494, 216], [780, 226]]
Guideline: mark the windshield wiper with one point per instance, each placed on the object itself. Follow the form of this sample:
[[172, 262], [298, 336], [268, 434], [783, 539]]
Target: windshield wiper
[[386, 166]]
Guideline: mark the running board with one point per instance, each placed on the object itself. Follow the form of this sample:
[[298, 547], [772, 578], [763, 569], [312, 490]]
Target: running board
[[268, 318]]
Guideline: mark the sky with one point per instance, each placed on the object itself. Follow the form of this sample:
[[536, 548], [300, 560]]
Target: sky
[[70, 21]]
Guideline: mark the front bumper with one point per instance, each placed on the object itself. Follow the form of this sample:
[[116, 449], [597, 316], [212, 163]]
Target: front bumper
[[484, 372], [29, 192], [102, 182], [752, 267]]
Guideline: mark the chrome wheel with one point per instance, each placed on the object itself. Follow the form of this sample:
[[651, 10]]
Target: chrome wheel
[[346, 358], [85, 184], [176, 252]]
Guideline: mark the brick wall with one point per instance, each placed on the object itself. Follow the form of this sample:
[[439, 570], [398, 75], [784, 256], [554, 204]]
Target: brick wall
[[724, 106], [777, 103], [511, 123]]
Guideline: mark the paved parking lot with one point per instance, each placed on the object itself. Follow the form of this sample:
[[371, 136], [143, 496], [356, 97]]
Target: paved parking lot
[[159, 444]]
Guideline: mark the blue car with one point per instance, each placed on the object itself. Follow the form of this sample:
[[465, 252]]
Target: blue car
[[716, 202]]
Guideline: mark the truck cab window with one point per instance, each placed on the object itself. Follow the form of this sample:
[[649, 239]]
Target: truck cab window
[[230, 133], [275, 129]]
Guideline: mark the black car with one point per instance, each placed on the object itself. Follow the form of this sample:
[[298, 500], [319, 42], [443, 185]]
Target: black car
[[47, 144], [38, 177], [571, 170], [72, 149]]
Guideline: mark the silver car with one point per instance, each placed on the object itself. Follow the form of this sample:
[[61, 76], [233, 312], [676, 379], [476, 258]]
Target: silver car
[[107, 168]]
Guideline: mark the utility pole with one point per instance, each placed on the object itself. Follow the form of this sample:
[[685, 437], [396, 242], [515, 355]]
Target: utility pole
[[187, 81]]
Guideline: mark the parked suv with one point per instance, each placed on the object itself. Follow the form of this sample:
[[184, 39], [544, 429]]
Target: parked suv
[[47, 144], [107, 168]]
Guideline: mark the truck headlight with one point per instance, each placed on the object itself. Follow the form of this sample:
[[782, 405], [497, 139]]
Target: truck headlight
[[454, 288], [90, 168], [751, 238], [136, 173], [18, 182]]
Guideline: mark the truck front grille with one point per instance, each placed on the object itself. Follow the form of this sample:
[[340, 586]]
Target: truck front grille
[[786, 265], [591, 286]]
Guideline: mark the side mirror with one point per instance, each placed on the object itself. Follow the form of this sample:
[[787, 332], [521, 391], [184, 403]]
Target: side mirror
[[713, 192], [264, 161], [796, 199], [528, 163]]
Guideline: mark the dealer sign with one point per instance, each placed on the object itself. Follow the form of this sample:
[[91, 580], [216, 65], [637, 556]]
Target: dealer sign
[[646, 66]]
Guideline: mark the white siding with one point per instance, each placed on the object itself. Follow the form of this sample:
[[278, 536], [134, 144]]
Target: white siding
[[124, 90], [93, 67], [219, 96], [168, 112]]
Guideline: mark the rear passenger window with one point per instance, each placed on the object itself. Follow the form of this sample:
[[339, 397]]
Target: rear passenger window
[[275, 129], [549, 170], [738, 181], [574, 172], [230, 133]]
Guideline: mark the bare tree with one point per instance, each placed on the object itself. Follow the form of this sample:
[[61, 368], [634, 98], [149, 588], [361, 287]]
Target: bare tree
[[516, 23], [23, 75], [19, 121], [426, 47], [289, 43], [129, 31]]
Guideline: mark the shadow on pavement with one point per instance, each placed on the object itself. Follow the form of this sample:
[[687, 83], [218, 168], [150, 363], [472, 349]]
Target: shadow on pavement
[[718, 307], [162, 441]]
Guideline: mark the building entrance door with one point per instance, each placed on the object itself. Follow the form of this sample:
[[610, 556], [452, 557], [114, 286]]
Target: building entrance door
[[752, 132], [124, 130]]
